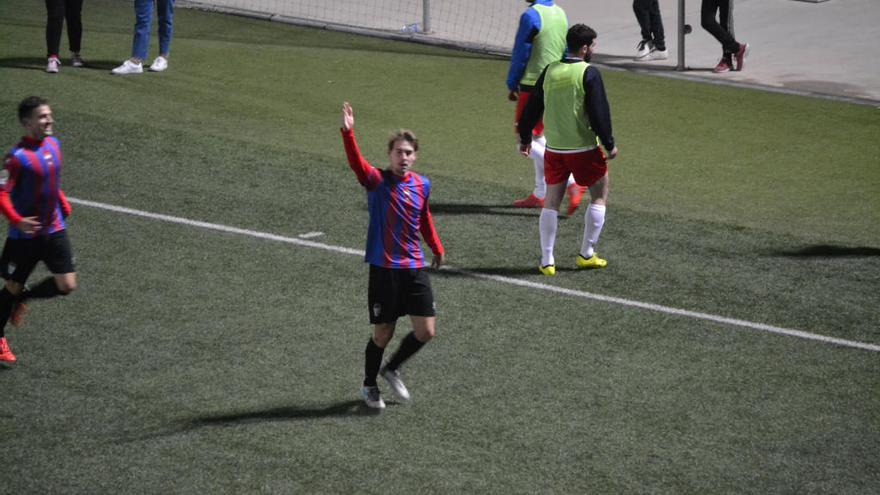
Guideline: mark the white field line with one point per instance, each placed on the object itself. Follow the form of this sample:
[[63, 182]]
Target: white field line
[[495, 278]]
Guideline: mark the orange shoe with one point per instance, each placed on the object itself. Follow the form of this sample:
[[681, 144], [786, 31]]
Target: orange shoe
[[17, 316], [531, 202], [575, 193], [6, 354]]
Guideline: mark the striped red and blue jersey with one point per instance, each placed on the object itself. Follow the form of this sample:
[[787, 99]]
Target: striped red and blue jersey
[[30, 186], [399, 212]]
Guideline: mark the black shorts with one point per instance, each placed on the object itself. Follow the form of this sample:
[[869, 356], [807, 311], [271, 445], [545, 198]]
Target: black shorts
[[396, 292], [20, 256]]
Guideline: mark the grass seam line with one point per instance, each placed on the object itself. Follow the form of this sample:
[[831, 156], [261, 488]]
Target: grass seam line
[[496, 278]]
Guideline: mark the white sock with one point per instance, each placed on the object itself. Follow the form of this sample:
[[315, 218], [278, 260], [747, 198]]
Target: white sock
[[594, 219], [547, 227], [537, 156]]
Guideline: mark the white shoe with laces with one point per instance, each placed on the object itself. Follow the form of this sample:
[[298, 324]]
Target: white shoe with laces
[[657, 55], [159, 64], [76, 60], [396, 384], [372, 397], [52, 65], [643, 48], [128, 67]]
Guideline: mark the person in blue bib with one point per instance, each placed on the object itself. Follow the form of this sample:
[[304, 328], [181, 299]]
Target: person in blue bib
[[570, 96]]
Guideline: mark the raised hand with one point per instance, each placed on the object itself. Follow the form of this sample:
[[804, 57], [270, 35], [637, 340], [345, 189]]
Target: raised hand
[[347, 116]]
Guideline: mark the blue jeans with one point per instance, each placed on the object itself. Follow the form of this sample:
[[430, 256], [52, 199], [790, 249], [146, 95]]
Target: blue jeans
[[143, 13]]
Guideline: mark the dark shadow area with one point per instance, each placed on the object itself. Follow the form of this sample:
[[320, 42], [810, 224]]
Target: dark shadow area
[[342, 409], [36, 63], [352, 408], [478, 209], [829, 251], [507, 271]]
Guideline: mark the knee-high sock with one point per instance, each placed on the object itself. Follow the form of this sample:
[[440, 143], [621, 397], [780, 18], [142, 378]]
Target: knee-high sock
[[7, 302], [44, 290], [408, 346], [594, 219], [372, 363], [547, 227], [537, 157]]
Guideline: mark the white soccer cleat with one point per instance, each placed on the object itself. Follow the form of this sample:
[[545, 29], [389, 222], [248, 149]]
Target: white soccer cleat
[[159, 64], [128, 67], [372, 397], [396, 384], [643, 49], [52, 65]]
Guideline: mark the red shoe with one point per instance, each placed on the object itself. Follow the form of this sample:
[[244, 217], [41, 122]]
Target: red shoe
[[17, 315], [723, 66], [531, 202], [575, 193], [740, 54], [6, 354]]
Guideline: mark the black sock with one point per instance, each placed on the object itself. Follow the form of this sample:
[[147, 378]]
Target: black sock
[[372, 363], [44, 290], [7, 302], [409, 346]]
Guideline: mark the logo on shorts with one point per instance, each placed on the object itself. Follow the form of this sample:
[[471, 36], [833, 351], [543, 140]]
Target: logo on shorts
[[10, 268], [377, 310]]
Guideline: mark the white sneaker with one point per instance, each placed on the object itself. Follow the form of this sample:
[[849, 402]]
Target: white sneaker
[[657, 55], [76, 60], [159, 64], [643, 48], [372, 397], [53, 65], [396, 384], [128, 67]]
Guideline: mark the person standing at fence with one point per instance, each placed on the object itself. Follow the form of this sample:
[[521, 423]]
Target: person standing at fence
[[653, 44], [571, 97], [56, 12], [733, 52], [143, 11], [33, 203], [397, 199], [540, 39]]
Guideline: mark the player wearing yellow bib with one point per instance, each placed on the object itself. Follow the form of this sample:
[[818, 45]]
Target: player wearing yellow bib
[[540, 40], [571, 97]]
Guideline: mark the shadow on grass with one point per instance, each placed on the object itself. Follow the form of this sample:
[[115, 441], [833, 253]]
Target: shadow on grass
[[352, 408], [36, 63], [829, 251], [482, 209]]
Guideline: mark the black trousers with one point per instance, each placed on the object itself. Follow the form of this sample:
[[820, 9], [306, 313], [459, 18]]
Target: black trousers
[[722, 31], [648, 14], [56, 12]]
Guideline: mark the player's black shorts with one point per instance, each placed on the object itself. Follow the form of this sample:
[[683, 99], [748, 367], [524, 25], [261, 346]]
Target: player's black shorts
[[20, 256], [396, 292]]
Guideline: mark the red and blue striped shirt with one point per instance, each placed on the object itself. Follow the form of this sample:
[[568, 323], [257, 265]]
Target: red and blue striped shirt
[[399, 211], [30, 186]]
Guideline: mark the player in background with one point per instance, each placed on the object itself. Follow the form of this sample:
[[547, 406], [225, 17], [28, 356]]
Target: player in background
[[32, 201], [540, 39], [397, 199], [571, 97]]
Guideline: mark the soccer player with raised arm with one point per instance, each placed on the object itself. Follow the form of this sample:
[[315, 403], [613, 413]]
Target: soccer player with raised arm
[[540, 39], [32, 201], [577, 119], [397, 199]]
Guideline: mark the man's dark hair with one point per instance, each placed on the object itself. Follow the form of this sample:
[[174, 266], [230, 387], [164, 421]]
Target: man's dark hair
[[578, 36], [28, 105], [403, 135]]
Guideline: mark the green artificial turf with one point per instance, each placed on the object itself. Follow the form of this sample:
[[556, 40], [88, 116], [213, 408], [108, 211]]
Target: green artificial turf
[[196, 361]]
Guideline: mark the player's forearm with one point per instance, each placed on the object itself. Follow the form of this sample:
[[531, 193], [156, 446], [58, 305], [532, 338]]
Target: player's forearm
[[356, 161], [429, 233], [7, 209]]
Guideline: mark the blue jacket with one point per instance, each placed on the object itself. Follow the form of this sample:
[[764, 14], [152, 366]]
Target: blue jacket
[[529, 26]]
